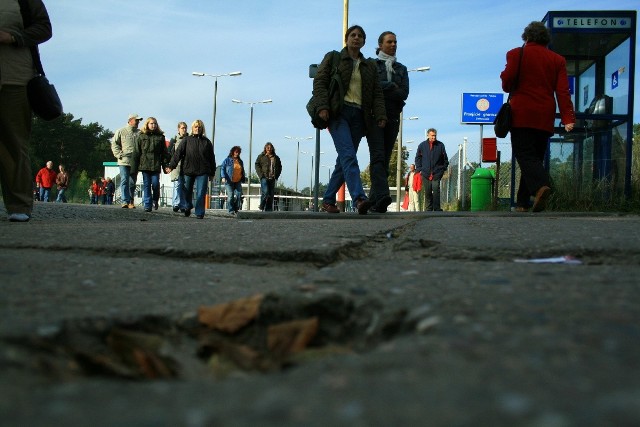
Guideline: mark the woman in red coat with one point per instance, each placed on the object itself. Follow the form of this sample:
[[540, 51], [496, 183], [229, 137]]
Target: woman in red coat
[[543, 80]]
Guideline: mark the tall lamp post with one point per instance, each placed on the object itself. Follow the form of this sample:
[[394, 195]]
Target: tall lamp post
[[399, 165], [398, 171], [329, 175], [251, 103], [311, 174], [215, 103], [295, 138]]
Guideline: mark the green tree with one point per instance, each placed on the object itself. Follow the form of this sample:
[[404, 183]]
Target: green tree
[[67, 141]]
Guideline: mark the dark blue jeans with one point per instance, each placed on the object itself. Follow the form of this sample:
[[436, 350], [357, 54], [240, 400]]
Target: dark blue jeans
[[267, 190], [346, 131], [200, 182]]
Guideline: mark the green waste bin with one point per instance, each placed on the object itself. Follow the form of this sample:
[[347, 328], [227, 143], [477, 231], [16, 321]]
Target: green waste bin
[[481, 186]]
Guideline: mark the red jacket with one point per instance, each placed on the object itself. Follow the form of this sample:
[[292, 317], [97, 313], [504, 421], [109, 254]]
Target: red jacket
[[46, 177], [543, 79]]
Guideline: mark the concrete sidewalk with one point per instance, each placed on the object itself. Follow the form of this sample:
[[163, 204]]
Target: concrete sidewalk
[[425, 318]]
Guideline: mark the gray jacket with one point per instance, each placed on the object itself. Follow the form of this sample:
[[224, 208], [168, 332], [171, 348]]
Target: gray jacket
[[124, 146]]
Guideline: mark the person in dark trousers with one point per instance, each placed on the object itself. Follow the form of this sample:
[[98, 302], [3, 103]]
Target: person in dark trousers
[[233, 175], [542, 79], [432, 162], [197, 168], [154, 157], [268, 169], [16, 69], [394, 80], [351, 117]]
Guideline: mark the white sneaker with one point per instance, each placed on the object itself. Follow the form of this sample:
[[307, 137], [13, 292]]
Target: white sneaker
[[19, 217]]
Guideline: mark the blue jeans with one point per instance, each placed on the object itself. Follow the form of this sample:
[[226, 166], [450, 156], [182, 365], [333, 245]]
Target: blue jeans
[[127, 184], [150, 188], [178, 192], [44, 194], [61, 197], [267, 189], [346, 131], [234, 196], [200, 182]]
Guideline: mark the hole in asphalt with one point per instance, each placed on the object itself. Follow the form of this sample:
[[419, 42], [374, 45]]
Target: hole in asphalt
[[262, 333]]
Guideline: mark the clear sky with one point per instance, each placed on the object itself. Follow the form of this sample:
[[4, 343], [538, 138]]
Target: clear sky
[[109, 58]]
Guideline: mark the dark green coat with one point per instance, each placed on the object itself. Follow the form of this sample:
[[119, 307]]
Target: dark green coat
[[153, 152], [372, 96]]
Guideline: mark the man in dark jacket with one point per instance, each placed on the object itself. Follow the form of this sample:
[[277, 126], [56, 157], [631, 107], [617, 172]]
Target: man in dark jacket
[[432, 162]]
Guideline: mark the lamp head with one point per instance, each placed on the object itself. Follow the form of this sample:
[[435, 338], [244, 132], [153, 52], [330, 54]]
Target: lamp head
[[195, 73]]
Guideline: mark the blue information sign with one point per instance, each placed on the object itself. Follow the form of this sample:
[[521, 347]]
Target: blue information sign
[[480, 108]]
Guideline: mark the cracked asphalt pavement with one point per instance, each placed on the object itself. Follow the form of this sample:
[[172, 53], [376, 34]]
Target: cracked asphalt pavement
[[494, 332]]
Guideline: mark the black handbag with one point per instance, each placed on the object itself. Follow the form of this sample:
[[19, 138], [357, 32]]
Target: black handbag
[[43, 98], [503, 120], [42, 95], [336, 95]]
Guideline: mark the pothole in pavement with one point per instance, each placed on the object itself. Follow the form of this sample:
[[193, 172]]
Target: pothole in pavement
[[262, 333]]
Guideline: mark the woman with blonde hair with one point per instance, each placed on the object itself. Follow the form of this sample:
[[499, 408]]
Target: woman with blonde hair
[[153, 158], [197, 167]]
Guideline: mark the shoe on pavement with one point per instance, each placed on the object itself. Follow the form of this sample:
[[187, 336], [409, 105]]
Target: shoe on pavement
[[363, 206], [125, 206], [382, 205], [19, 217], [131, 206], [176, 208], [521, 209], [155, 206], [187, 212], [147, 209], [327, 207], [199, 216], [542, 196]]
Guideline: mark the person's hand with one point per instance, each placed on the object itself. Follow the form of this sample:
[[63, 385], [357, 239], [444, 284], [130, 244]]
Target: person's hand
[[223, 180], [5, 37], [382, 123], [569, 127], [324, 115]]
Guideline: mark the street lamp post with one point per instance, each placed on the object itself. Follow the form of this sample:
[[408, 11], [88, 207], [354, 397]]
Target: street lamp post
[[399, 165], [295, 138], [213, 124], [215, 97], [252, 103], [398, 168], [311, 174], [329, 175]]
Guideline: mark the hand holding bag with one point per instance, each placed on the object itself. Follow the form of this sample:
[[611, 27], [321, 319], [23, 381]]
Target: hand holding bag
[[503, 120], [42, 95]]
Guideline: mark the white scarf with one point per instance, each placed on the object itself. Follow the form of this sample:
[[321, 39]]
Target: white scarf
[[388, 61]]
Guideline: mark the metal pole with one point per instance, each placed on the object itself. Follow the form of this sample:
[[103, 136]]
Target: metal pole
[[316, 207], [250, 147], [297, 164], [399, 165]]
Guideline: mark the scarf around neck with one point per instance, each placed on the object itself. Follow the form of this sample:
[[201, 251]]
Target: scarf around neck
[[388, 62]]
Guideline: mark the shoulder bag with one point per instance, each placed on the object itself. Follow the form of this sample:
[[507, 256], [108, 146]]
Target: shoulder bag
[[336, 95], [502, 122]]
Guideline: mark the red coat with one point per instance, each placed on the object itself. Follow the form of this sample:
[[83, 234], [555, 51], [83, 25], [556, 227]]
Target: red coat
[[543, 78], [46, 177]]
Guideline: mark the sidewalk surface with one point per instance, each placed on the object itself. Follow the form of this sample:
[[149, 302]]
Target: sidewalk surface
[[400, 319]]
